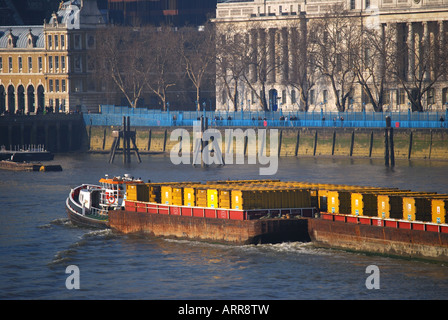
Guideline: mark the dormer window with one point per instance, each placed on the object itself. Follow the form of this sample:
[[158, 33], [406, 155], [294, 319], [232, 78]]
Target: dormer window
[[30, 42], [11, 39]]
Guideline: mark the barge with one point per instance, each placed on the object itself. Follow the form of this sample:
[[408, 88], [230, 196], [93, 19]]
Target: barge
[[366, 219]]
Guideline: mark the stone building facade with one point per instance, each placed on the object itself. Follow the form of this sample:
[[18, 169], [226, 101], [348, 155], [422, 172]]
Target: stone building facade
[[48, 66], [278, 23]]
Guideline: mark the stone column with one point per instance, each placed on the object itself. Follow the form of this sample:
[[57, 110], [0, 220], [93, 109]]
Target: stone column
[[271, 65], [292, 52], [442, 43], [425, 46], [253, 34], [411, 50], [261, 53], [283, 68]]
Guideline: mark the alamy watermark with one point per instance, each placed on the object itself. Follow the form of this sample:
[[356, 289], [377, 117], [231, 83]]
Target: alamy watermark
[[373, 280], [73, 280], [208, 147]]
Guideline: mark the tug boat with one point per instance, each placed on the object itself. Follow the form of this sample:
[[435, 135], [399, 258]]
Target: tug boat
[[89, 205]]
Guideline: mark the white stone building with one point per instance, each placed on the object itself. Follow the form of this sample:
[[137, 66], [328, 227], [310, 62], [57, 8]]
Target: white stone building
[[275, 25]]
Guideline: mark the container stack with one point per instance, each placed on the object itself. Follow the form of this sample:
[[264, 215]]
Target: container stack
[[386, 203], [201, 197], [153, 193], [189, 197], [439, 210], [137, 192], [224, 199], [417, 208], [364, 204]]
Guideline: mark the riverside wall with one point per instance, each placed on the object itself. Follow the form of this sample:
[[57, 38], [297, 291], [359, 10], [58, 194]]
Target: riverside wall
[[301, 142]]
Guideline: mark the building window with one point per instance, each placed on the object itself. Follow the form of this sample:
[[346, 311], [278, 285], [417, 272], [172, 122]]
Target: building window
[[10, 64], [386, 98], [402, 96], [293, 96], [445, 97], [352, 4], [63, 85], [283, 96], [20, 64], [223, 96], [311, 97], [90, 41], [50, 62], [56, 62], [56, 41], [78, 64], [50, 85], [77, 85], [367, 4], [325, 96], [39, 62], [77, 41], [50, 42], [57, 85], [430, 99], [62, 41], [1, 63], [63, 63], [30, 64]]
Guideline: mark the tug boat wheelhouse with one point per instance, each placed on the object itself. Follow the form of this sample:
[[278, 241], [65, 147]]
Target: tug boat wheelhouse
[[89, 205]]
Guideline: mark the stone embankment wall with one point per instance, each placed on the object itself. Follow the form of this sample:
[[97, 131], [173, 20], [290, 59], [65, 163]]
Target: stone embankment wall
[[299, 142]]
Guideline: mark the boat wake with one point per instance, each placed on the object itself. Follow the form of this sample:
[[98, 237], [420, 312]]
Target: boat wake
[[56, 222], [66, 256], [284, 247], [293, 247]]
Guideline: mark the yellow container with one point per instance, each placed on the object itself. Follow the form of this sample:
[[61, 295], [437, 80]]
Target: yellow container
[[137, 192], [201, 197], [339, 202], [212, 198], [189, 197], [243, 199], [176, 196], [224, 199], [384, 206], [364, 204], [417, 208], [166, 194], [438, 210], [237, 199]]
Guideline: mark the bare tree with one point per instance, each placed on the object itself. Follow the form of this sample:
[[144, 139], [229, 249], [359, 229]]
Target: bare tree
[[261, 61], [120, 56], [426, 63], [372, 61], [232, 60], [303, 74], [162, 58], [197, 51], [334, 39]]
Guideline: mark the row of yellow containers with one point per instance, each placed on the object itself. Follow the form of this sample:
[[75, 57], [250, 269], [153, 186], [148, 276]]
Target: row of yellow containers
[[149, 192], [242, 198], [396, 204]]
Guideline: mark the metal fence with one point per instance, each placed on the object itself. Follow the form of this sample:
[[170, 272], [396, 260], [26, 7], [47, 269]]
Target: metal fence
[[140, 117]]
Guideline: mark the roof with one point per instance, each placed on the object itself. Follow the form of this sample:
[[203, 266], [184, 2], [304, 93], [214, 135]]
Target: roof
[[20, 34]]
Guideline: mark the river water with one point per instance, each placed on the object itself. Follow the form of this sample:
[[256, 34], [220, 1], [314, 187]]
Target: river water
[[38, 243]]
